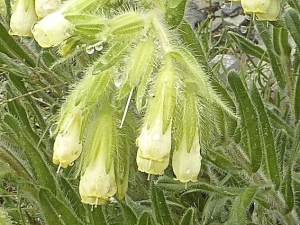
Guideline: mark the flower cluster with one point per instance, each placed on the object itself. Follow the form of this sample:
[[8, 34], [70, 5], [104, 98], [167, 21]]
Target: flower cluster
[[263, 9], [139, 72]]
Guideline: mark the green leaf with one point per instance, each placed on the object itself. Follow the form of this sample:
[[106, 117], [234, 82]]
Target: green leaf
[[175, 12], [240, 206], [145, 219], [274, 59], [13, 48], [295, 4], [249, 47], [55, 211], [297, 99], [267, 139], [281, 42], [251, 141], [222, 161], [188, 35], [160, 208], [98, 216], [188, 217], [169, 184], [128, 212], [292, 21]]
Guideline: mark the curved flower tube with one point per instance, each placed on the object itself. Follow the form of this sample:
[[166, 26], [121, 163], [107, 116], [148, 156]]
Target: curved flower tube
[[186, 163], [154, 148], [51, 30], [67, 145], [22, 18], [97, 186]]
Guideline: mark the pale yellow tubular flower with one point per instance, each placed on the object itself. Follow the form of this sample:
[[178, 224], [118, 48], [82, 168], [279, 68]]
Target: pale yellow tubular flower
[[22, 18], [96, 186], [272, 12], [154, 148], [45, 7], [67, 145], [255, 6], [186, 163], [51, 30]]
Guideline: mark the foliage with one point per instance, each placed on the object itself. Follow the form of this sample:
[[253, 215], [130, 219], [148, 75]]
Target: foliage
[[249, 173]]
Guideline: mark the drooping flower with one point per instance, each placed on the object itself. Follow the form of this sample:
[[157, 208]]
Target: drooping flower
[[272, 12], [67, 145], [22, 18], [45, 7], [98, 182], [255, 6], [96, 185], [52, 30], [154, 142], [154, 148], [186, 163]]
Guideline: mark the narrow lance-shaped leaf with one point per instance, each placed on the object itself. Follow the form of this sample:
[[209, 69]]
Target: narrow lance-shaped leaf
[[145, 219], [160, 208], [288, 181], [297, 99], [251, 140], [267, 139], [55, 211], [292, 21], [248, 47], [240, 206], [98, 215], [128, 212], [188, 217], [273, 57], [175, 12], [12, 48]]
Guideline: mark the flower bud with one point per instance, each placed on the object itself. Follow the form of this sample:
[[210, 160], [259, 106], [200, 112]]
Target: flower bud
[[51, 30], [45, 7], [186, 163], [96, 185], [272, 12], [22, 18], [255, 6], [67, 145], [154, 148]]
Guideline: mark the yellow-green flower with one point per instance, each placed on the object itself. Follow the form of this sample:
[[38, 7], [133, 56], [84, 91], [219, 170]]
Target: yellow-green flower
[[51, 30], [255, 6], [154, 148], [186, 163], [67, 145], [96, 185], [22, 18], [45, 7], [272, 12]]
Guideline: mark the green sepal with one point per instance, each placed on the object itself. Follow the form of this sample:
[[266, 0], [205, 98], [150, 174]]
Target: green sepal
[[110, 58], [141, 62], [126, 23]]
